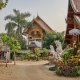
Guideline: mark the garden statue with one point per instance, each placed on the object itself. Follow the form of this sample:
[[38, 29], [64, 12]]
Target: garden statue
[[59, 50], [52, 51], [55, 55], [51, 55]]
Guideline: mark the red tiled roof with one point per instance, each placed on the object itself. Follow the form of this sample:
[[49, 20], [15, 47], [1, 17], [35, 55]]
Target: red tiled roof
[[75, 5]]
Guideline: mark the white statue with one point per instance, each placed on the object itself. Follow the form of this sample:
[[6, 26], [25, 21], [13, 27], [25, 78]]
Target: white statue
[[59, 50], [55, 55], [52, 55], [52, 51]]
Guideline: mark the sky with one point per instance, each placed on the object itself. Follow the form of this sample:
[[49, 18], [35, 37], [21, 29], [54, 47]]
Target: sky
[[53, 12]]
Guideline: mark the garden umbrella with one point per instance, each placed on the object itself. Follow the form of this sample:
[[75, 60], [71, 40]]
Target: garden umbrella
[[74, 32]]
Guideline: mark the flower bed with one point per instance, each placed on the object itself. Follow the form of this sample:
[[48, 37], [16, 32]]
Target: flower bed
[[68, 69], [69, 66]]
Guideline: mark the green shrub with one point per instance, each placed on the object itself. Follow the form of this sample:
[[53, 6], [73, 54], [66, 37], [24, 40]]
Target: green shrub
[[45, 52], [22, 56], [67, 54], [59, 71], [37, 53], [78, 70], [69, 66], [26, 55], [68, 71]]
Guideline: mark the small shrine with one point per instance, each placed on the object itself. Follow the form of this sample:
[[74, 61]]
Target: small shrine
[[4, 51]]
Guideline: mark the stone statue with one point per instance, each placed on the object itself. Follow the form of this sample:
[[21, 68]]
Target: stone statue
[[52, 51], [55, 54], [51, 55], [59, 50]]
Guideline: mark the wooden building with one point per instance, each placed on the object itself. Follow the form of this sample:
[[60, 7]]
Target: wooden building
[[37, 31], [73, 20]]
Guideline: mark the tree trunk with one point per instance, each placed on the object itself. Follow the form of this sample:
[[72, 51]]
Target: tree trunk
[[1, 59], [6, 60], [14, 58]]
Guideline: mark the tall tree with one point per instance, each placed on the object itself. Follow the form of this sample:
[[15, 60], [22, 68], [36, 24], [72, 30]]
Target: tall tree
[[49, 39], [12, 43], [17, 22], [3, 3]]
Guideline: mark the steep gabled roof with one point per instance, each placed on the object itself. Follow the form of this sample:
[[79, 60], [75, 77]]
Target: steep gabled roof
[[73, 15], [42, 24], [76, 8], [75, 5]]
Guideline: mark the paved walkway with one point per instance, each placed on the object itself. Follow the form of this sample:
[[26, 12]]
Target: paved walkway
[[30, 71]]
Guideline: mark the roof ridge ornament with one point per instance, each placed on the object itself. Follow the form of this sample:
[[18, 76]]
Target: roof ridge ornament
[[33, 17], [37, 14]]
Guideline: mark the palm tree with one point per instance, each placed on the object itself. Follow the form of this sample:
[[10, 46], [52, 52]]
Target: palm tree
[[3, 3], [10, 28], [16, 22]]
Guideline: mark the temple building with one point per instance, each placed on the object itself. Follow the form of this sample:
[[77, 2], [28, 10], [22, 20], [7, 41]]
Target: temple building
[[35, 34], [73, 20]]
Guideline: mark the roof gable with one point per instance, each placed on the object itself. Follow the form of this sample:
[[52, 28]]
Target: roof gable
[[42, 24]]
